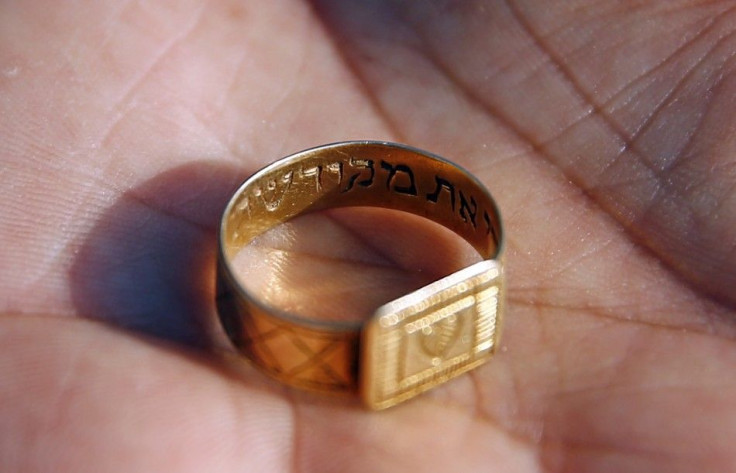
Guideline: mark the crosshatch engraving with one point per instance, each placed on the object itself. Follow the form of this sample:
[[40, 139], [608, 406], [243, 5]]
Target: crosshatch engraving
[[299, 356], [434, 334]]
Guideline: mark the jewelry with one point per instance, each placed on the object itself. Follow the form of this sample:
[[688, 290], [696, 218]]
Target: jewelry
[[409, 345]]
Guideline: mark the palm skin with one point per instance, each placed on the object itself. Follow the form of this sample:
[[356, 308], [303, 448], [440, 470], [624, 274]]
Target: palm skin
[[603, 129]]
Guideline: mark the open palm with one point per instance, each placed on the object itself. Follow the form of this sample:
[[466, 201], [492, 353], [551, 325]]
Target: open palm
[[605, 130]]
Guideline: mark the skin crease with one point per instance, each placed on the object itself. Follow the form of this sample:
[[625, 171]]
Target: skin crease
[[605, 130]]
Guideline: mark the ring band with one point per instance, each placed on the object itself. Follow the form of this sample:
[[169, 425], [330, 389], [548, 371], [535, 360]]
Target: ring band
[[409, 345]]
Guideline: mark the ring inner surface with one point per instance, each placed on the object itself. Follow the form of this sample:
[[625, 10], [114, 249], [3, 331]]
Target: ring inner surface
[[363, 174]]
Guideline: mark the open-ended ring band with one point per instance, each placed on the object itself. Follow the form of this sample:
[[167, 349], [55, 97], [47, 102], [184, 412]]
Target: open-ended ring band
[[410, 344]]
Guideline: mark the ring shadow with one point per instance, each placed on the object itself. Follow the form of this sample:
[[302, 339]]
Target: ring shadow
[[148, 265]]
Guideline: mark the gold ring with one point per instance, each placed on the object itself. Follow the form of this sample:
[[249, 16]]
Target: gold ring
[[409, 345]]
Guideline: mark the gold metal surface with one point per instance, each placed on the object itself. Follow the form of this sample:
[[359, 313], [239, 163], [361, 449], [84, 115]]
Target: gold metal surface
[[411, 344]]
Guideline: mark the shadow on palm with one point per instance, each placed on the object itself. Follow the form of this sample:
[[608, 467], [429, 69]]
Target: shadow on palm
[[148, 264]]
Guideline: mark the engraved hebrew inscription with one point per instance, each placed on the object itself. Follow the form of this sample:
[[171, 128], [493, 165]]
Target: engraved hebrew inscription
[[358, 170], [468, 210], [395, 173], [314, 172], [272, 194], [442, 185]]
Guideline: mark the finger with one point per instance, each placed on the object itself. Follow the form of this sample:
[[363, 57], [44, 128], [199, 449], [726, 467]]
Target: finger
[[77, 396]]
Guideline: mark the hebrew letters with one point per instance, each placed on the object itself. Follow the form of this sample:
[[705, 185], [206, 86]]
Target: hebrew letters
[[275, 190], [466, 213], [361, 165], [393, 171], [446, 185]]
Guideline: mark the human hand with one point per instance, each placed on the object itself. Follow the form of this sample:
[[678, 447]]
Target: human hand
[[603, 129]]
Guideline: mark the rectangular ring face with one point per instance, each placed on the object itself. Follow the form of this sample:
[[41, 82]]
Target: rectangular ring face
[[431, 335]]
